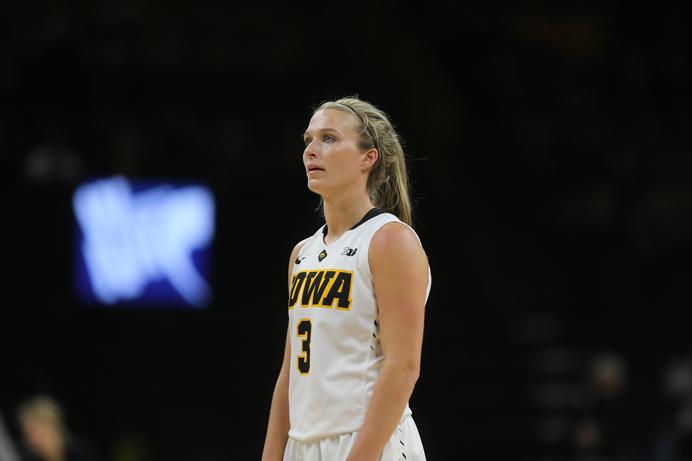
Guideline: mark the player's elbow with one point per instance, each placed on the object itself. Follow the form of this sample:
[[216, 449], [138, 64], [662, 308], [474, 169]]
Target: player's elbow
[[413, 371], [406, 370], [410, 374]]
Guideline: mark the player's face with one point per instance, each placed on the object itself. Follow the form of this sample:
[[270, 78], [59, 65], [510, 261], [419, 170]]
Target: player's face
[[333, 161]]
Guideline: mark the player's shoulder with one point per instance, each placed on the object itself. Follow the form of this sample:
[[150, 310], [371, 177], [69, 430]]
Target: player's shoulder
[[298, 246], [396, 244], [394, 235], [394, 240]]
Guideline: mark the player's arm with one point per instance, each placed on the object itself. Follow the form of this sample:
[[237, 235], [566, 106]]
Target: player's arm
[[400, 273], [278, 425]]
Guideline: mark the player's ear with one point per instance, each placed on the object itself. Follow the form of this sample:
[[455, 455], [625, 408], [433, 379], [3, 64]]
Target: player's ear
[[369, 158]]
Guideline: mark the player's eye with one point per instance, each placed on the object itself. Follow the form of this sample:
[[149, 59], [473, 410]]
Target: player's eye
[[307, 141], [329, 138]]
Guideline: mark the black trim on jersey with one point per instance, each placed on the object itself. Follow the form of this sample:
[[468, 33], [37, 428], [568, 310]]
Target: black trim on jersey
[[369, 215]]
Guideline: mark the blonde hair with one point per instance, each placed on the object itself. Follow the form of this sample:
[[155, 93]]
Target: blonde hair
[[388, 184], [42, 408]]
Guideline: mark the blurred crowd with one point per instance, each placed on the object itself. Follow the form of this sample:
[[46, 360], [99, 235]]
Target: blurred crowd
[[39, 430], [604, 415], [600, 405], [43, 434], [616, 422]]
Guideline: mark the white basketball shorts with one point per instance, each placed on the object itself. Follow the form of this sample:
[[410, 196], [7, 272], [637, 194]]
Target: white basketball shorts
[[404, 445]]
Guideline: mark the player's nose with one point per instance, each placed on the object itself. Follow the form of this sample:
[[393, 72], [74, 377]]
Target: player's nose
[[311, 150]]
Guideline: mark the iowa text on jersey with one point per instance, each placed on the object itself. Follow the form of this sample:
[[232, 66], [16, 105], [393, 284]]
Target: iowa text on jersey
[[329, 288]]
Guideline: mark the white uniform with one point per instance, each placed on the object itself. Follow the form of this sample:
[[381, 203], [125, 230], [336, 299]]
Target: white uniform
[[336, 354]]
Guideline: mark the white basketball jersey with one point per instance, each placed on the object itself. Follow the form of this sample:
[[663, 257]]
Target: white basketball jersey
[[336, 354]]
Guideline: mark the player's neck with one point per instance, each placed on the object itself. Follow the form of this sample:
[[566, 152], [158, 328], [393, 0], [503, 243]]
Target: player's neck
[[342, 214]]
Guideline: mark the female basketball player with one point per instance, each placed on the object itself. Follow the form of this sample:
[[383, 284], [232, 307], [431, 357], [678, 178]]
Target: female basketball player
[[357, 294]]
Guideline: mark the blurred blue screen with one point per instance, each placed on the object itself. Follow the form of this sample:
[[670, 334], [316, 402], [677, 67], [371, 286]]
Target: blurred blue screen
[[143, 243]]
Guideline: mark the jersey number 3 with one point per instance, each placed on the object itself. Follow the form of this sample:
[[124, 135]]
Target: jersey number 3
[[305, 332]]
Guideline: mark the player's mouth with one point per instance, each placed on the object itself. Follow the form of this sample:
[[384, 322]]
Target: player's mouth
[[314, 169]]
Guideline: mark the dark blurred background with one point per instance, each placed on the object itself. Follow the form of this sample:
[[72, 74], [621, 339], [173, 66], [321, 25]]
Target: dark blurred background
[[550, 155]]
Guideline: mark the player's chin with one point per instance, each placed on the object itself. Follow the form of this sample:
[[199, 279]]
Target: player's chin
[[315, 185]]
